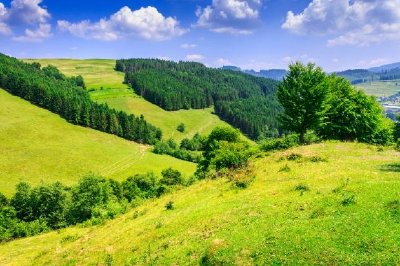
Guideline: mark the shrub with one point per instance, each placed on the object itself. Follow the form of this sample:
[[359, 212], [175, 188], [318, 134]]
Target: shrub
[[302, 188], [171, 177], [169, 205], [280, 143], [181, 127], [230, 155], [294, 157]]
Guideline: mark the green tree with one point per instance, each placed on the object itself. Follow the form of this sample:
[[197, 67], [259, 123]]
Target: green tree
[[352, 115], [181, 127], [302, 96], [171, 177]]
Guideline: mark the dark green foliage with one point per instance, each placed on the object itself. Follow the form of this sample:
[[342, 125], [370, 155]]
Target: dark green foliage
[[352, 115], [171, 148], [171, 177], [50, 89], [223, 150], [94, 199], [302, 188], [181, 127], [142, 186], [331, 107], [302, 95], [246, 102], [3, 200], [169, 205], [294, 157], [197, 143], [91, 192], [282, 143]]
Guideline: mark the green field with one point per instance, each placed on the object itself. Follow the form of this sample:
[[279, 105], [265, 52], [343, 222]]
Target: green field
[[100, 75], [37, 145], [381, 88], [337, 205]]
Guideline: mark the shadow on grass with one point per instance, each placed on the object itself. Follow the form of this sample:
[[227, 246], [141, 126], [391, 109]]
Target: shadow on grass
[[393, 167]]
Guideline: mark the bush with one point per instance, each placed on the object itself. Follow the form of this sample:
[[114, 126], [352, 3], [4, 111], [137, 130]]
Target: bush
[[171, 177], [181, 127], [283, 143], [169, 205], [231, 156]]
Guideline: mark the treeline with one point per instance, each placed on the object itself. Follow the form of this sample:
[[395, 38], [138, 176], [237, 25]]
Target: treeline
[[32, 210], [50, 89], [188, 150], [245, 101]]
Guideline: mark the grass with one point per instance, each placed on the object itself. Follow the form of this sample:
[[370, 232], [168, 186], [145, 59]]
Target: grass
[[99, 74], [348, 215], [381, 88], [39, 146]]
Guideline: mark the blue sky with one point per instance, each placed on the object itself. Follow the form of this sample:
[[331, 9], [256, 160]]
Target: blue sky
[[252, 34]]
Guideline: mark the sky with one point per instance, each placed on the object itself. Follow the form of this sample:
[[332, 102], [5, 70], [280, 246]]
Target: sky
[[251, 34]]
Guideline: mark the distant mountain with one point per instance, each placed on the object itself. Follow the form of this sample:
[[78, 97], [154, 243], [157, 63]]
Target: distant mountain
[[384, 68], [275, 74], [356, 76]]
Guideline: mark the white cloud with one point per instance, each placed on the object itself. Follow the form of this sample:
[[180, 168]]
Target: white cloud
[[27, 14], [41, 33], [194, 57], [188, 45], [350, 22], [146, 23], [223, 62], [230, 16]]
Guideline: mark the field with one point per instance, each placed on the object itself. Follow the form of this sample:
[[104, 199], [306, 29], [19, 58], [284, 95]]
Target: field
[[381, 88], [99, 74], [39, 146], [330, 203]]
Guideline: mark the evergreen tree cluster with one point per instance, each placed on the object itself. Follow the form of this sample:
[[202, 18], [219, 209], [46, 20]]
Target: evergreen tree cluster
[[247, 102], [50, 89]]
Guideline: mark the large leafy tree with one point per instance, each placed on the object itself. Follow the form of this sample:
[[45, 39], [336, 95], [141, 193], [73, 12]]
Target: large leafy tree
[[302, 94], [351, 114]]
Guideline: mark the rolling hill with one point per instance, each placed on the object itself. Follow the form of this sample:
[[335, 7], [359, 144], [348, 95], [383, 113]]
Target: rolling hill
[[329, 203], [39, 146], [106, 86]]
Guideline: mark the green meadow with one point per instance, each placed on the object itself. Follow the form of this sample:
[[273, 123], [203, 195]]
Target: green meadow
[[329, 203], [381, 88], [39, 146]]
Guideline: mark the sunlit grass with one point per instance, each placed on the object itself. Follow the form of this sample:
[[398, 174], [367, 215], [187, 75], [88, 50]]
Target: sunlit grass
[[346, 216], [37, 145]]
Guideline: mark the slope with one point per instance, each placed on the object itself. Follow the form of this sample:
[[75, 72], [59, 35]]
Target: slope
[[106, 86], [37, 145], [336, 203]]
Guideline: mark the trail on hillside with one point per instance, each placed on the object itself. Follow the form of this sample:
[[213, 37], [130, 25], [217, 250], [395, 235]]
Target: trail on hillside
[[124, 163]]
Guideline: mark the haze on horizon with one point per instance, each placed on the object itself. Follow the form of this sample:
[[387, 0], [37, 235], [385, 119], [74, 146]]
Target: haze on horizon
[[251, 34]]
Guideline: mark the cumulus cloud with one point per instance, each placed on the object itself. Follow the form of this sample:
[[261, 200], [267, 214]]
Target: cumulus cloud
[[42, 32], [230, 16], [350, 22], [194, 57], [27, 14], [146, 23]]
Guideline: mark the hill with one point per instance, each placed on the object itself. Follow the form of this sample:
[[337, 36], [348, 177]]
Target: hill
[[246, 102], [105, 85], [330, 203], [384, 68], [37, 145]]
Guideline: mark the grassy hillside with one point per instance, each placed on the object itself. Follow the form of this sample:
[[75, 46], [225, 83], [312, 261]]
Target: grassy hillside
[[381, 88], [333, 203], [37, 145], [99, 74]]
